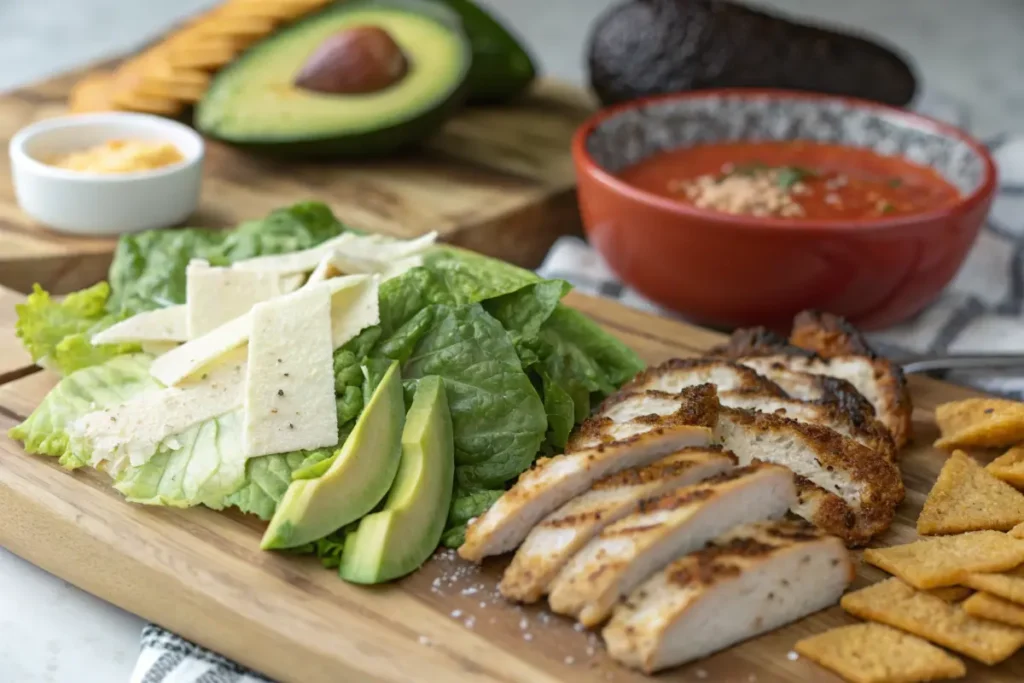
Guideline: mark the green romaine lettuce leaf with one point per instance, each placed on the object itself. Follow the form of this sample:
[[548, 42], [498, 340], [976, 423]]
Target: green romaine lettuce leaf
[[148, 270], [93, 388], [267, 478], [205, 467], [497, 416], [56, 333]]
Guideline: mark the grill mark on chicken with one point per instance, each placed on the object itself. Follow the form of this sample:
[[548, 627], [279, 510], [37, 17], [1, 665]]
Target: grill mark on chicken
[[655, 471], [697, 407]]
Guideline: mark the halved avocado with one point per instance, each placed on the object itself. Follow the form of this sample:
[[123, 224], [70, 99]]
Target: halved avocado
[[358, 477], [266, 100], [398, 539]]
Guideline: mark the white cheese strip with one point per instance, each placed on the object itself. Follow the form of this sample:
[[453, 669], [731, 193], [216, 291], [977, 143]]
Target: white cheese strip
[[353, 309], [188, 359], [177, 364], [217, 295], [366, 247], [295, 262], [131, 432], [289, 386], [163, 324]]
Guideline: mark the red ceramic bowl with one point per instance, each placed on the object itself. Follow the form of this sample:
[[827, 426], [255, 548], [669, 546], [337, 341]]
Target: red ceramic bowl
[[726, 270]]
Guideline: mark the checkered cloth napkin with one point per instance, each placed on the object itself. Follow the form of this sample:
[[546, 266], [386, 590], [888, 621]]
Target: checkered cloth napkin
[[982, 310]]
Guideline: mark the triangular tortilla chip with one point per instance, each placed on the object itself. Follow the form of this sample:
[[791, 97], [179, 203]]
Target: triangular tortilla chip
[[981, 422], [966, 497], [1009, 466]]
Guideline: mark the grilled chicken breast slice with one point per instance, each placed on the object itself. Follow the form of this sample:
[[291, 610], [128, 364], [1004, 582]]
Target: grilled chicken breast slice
[[827, 345], [562, 533], [864, 430], [553, 481], [676, 374], [751, 580], [676, 523], [863, 487], [833, 338]]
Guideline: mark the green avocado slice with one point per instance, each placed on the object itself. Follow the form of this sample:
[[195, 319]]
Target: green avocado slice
[[256, 102], [359, 476], [398, 539]]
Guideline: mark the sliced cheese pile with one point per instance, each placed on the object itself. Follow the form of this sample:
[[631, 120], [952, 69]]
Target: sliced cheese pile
[[259, 335]]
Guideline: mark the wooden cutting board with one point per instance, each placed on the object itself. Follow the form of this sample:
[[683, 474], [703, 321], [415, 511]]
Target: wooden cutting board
[[498, 180], [201, 573]]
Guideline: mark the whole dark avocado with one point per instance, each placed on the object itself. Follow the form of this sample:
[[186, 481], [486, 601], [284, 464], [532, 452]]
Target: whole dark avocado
[[652, 47]]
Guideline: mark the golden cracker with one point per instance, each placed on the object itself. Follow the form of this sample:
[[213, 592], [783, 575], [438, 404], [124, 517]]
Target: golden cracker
[[988, 606], [950, 593], [944, 561], [897, 604], [875, 653], [1008, 585], [967, 497], [1009, 467], [210, 56], [1017, 531], [93, 93], [237, 26], [980, 422]]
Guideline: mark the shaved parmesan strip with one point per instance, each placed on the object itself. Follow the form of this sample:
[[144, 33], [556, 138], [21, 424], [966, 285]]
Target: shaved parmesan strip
[[377, 248], [289, 388], [189, 359], [132, 432], [217, 295], [163, 324], [354, 309]]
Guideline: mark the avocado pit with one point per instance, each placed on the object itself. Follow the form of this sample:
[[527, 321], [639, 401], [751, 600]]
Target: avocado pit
[[356, 61]]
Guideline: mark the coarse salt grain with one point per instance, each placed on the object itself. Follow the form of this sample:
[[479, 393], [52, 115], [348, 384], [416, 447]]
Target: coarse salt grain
[[471, 622], [578, 627], [527, 637], [590, 650], [424, 640], [456, 613], [483, 604], [570, 660], [524, 624], [792, 656], [701, 673]]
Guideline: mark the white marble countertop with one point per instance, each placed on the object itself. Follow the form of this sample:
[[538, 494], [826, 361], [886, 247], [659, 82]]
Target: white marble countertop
[[50, 632]]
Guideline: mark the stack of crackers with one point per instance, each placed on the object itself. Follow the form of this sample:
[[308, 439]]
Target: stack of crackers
[[962, 590], [175, 73]]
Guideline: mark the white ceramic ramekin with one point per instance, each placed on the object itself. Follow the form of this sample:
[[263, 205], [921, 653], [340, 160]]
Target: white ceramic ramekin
[[104, 204]]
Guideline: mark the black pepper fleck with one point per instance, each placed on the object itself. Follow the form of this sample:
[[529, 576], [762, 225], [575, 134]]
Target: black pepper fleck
[[291, 426], [280, 392], [286, 374]]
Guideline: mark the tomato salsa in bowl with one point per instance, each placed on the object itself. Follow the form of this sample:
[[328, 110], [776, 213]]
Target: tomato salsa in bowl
[[743, 207]]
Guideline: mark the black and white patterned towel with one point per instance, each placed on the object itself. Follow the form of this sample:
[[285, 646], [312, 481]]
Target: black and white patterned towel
[[982, 310]]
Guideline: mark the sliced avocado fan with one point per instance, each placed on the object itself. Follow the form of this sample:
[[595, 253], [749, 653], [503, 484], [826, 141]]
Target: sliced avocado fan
[[401, 537]]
